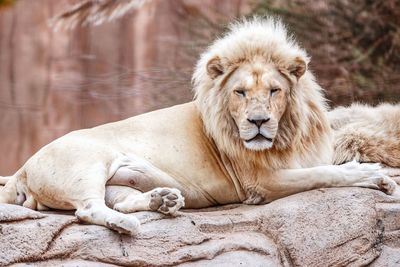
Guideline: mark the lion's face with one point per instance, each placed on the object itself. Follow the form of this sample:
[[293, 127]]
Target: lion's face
[[257, 101], [257, 96]]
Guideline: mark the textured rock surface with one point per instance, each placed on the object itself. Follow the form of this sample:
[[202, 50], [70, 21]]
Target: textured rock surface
[[329, 227]]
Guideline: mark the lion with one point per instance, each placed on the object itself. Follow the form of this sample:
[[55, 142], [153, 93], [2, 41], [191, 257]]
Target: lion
[[256, 131], [367, 134]]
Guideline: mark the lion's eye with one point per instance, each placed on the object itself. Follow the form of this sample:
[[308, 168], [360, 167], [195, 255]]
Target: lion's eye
[[240, 92], [274, 90]]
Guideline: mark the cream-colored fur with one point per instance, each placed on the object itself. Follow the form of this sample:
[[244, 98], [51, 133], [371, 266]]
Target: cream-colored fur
[[367, 134], [256, 131]]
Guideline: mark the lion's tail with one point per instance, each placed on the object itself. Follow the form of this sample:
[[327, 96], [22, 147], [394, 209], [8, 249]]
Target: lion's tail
[[4, 180], [8, 192]]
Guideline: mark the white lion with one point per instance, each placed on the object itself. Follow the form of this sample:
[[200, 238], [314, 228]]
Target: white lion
[[256, 131]]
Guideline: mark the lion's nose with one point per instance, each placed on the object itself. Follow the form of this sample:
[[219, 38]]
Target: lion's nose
[[258, 122]]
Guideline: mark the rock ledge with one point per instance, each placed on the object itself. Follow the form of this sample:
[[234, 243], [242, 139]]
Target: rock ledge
[[327, 227]]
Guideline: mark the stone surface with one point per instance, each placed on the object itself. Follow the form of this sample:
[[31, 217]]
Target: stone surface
[[327, 227]]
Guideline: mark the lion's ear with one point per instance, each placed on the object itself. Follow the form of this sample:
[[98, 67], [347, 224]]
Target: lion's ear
[[214, 68], [298, 67]]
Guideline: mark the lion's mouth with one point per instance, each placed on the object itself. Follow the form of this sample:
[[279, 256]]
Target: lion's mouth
[[259, 138]]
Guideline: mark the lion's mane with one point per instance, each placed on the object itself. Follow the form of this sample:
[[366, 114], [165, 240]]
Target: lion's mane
[[303, 131]]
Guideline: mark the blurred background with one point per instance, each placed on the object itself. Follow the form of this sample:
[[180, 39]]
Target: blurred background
[[54, 81]]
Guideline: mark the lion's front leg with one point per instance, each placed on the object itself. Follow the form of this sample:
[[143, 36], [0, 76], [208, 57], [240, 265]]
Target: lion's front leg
[[288, 182]]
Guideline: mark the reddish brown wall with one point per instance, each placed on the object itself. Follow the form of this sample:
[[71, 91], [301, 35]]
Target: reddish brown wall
[[55, 82]]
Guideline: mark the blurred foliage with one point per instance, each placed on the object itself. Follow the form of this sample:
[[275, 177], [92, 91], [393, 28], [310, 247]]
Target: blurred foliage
[[355, 45], [5, 3]]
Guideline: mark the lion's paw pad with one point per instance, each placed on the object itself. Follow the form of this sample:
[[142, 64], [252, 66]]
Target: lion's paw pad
[[166, 200]]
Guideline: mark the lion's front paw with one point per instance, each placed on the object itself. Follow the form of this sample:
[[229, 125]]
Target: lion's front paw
[[166, 200], [369, 175], [387, 185], [384, 184]]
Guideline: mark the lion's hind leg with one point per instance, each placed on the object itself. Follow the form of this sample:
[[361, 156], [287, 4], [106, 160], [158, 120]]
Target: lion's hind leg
[[91, 207], [162, 199], [31, 203], [81, 188], [140, 174], [96, 212]]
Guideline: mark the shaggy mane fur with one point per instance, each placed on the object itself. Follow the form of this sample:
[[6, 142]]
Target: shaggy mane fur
[[303, 137]]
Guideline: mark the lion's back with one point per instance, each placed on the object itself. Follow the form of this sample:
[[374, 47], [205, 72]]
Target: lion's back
[[367, 134]]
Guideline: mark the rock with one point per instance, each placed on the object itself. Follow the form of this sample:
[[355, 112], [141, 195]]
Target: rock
[[10, 213], [327, 227]]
